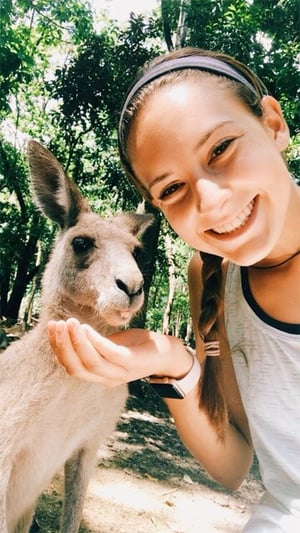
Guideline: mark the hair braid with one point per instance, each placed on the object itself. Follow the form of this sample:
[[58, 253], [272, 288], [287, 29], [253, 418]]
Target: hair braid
[[212, 392]]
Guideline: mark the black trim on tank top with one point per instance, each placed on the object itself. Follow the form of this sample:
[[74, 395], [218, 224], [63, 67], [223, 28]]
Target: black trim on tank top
[[282, 326]]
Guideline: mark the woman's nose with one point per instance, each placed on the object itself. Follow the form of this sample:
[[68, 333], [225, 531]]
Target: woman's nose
[[209, 195]]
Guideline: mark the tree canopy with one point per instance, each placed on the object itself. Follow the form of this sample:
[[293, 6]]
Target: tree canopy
[[63, 75]]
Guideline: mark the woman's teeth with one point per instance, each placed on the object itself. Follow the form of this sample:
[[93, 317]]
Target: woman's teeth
[[238, 222]]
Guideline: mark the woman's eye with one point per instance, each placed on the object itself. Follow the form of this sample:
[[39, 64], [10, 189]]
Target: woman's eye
[[170, 190], [220, 149]]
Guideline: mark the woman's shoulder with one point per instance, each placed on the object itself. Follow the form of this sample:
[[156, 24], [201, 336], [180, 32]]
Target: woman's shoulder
[[195, 278]]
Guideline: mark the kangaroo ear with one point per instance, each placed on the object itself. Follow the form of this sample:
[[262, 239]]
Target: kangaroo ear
[[55, 194], [136, 223], [275, 123]]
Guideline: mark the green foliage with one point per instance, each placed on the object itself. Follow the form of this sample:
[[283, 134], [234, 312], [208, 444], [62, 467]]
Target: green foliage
[[20, 229], [293, 156], [252, 32], [88, 90], [159, 293], [29, 32], [62, 82]]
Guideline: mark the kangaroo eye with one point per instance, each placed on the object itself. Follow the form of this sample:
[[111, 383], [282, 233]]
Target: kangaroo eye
[[82, 244]]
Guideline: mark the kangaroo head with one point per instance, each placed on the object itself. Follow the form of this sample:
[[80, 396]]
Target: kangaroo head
[[92, 273]]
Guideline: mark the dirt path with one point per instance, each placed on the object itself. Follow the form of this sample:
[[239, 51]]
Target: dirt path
[[146, 482]]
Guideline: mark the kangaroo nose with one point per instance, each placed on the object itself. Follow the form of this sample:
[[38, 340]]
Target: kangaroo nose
[[130, 291]]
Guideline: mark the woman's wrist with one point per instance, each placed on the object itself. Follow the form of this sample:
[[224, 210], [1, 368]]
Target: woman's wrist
[[174, 358], [179, 369], [169, 387]]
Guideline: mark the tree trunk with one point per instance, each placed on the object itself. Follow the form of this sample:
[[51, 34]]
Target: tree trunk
[[166, 25], [24, 275], [182, 25], [172, 283], [4, 290], [181, 31], [27, 318]]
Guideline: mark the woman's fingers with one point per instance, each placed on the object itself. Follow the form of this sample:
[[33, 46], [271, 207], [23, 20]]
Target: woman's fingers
[[77, 354], [120, 358], [129, 350], [108, 349], [63, 348]]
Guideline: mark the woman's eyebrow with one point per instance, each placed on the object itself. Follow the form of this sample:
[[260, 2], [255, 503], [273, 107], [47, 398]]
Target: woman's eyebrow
[[200, 142], [211, 131], [158, 179]]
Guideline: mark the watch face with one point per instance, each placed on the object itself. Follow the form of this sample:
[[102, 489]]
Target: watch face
[[167, 390]]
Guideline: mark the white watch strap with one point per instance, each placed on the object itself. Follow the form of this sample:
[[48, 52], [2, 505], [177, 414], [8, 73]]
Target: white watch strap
[[183, 385], [189, 381]]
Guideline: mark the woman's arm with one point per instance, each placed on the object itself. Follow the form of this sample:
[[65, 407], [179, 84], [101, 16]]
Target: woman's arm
[[137, 353], [227, 461]]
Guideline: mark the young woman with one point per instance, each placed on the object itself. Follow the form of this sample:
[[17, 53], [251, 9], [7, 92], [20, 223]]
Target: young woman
[[202, 140]]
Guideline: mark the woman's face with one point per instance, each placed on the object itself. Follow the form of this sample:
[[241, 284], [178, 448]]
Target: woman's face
[[213, 168]]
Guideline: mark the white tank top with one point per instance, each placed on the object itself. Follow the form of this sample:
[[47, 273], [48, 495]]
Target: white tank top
[[266, 358]]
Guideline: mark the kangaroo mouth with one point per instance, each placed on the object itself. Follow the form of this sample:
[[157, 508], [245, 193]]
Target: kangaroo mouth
[[126, 314]]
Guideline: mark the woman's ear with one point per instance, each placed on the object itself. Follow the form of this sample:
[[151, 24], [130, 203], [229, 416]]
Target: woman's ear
[[274, 122]]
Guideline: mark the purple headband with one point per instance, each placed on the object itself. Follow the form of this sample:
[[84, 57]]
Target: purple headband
[[205, 63]]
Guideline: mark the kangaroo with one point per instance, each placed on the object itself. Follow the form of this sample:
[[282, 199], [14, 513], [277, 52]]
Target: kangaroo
[[47, 418]]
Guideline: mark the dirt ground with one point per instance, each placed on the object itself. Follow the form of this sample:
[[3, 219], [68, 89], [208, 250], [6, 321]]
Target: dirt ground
[[146, 482]]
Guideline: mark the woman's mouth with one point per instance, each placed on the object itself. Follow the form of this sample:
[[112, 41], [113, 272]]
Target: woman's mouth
[[238, 221]]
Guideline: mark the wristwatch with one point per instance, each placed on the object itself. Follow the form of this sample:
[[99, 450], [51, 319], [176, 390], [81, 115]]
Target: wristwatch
[[177, 388]]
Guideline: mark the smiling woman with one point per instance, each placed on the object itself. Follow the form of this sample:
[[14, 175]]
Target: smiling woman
[[191, 165], [202, 140]]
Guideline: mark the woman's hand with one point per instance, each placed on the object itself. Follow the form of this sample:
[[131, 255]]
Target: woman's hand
[[123, 357]]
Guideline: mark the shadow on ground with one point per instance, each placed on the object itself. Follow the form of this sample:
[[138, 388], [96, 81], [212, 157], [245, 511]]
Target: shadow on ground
[[145, 445]]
